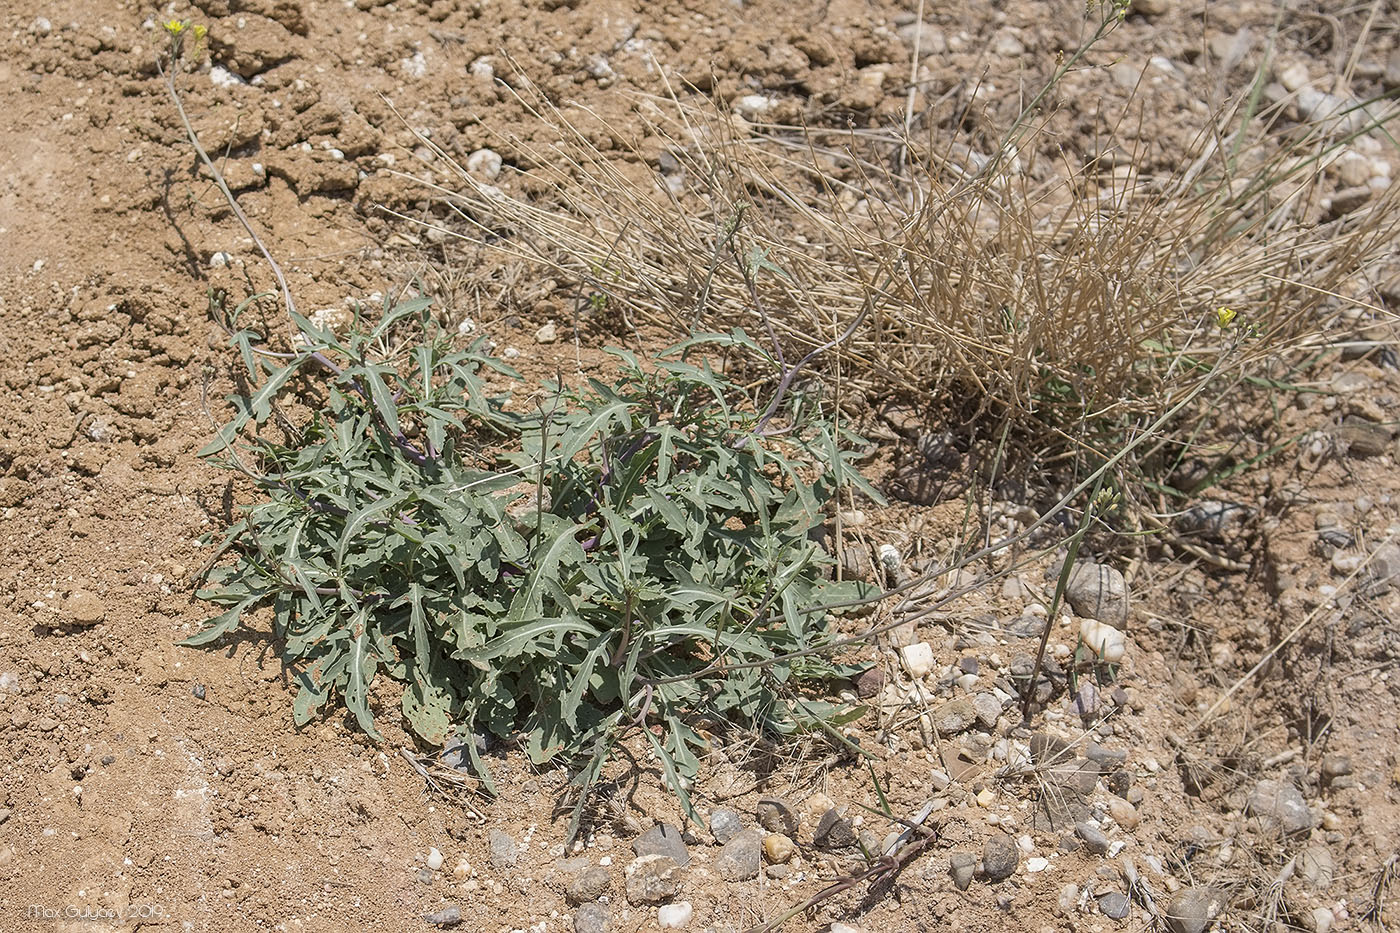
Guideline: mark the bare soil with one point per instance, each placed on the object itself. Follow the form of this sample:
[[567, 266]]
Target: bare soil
[[168, 787]]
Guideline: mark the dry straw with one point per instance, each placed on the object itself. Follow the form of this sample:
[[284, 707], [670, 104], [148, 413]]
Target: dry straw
[[1055, 297]]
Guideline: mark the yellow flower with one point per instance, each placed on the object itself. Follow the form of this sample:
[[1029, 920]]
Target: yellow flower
[[200, 32], [174, 27], [1223, 316]]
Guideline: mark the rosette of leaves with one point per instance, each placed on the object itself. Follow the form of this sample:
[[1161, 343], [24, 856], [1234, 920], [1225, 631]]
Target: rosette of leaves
[[636, 555]]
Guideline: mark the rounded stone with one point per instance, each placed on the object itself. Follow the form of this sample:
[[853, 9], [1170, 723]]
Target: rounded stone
[[999, 858], [675, 916], [725, 824], [651, 879], [778, 848], [1099, 592], [1191, 910]]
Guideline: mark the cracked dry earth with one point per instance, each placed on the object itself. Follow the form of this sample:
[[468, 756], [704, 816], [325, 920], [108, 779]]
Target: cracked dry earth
[[146, 786]]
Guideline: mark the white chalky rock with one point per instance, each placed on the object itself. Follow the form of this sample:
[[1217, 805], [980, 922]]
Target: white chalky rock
[[434, 859], [1104, 640], [889, 556], [675, 916], [917, 658], [484, 163]]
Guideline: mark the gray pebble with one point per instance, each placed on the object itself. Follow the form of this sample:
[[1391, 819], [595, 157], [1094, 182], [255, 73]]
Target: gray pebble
[[1191, 910], [1280, 805], [1097, 591], [1335, 766], [774, 815], [588, 885], [662, 839], [999, 858], [961, 866], [1079, 776], [1105, 756], [955, 716], [725, 824], [833, 832], [502, 850], [741, 857], [1115, 906], [988, 709], [449, 916], [1316, 867], [1093, 838], [651, 879], [1026, 626], [591, 918], [1046, 748]]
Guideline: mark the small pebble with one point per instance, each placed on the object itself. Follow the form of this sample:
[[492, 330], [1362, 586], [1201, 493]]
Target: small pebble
[[675, 916], [1123, 813], [778, 848], [447, 917], [434, 859], [549, 333], [999, 858], [1115, 906], [1193, 909], [725, 824]]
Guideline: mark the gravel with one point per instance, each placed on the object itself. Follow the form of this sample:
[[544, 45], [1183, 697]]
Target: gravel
[[675, 916], [662, 839], [651, 879], [591, 918], [1099, 592], [449, 916], [778, 848], [961, 867], [1193, 909], [1115, 906], [1280, 805], [1093, 838], [834, 832], [742, 857], [588, 885], [955, 716], [1123, 813], [776, 815], [999, 858], [725, 824]]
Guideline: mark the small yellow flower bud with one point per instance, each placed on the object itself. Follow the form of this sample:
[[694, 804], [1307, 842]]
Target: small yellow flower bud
[[1223, 316], [174, 27]]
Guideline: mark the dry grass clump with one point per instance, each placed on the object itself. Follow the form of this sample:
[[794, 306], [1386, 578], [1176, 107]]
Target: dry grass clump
[[1066, 301]]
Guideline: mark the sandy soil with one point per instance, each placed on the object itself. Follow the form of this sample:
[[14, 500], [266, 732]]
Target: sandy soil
[[167, 785]]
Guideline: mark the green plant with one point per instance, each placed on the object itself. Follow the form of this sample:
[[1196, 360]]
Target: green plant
[[634, 555]]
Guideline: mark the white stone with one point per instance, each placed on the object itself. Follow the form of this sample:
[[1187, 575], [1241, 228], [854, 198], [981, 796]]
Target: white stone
[[434, 859], [917, 658], [754, 107], [889, 557], [1294, 76], [1104, 640], [675, 916], [484, 163], [547, 334], [1036, 864]]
